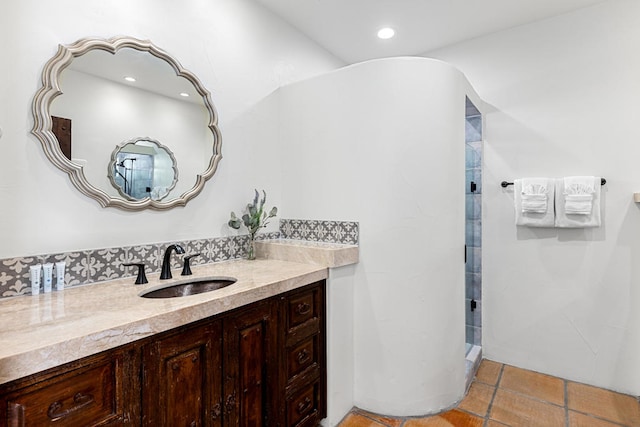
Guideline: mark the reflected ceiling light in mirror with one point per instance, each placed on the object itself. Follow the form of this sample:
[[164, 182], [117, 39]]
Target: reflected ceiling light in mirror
[[386, 33]]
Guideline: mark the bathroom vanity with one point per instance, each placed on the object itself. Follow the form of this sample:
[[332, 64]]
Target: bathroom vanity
[[252, 353]]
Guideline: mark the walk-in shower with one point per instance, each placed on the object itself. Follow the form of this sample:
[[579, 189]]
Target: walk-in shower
[[473, 236]]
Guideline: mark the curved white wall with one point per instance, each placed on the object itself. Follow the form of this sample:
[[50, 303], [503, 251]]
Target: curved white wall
[[382, 143]]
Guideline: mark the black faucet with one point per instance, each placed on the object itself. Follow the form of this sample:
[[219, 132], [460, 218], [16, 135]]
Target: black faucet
[[166, 261]]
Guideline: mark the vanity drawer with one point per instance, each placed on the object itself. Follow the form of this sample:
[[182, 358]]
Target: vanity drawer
[[301, 308], [85, 396], [303, 407], [303, 312], [303, 356]]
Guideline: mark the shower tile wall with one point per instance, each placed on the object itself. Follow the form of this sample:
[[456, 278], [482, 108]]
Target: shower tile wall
[[473, 237]]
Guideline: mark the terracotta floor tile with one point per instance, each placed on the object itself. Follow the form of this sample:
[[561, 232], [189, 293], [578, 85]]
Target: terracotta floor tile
[[605, 404], [534, 384], [388, 421], [489, 372], [453, 418], [357, 420], [493, 423], [581, 420], [478, 399], [520, 411]]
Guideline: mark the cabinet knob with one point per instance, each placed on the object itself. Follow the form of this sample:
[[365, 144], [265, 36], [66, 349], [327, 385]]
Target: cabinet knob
[[304, 406], [303, 308], [303, 357]]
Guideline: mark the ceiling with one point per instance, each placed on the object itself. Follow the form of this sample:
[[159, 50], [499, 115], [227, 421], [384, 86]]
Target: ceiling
[[152, 74], [347, 28]]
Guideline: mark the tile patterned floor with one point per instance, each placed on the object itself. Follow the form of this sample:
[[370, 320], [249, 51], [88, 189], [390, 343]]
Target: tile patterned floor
[[503, 395]]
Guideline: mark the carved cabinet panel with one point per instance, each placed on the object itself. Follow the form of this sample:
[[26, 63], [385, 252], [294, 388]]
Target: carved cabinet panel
[[182, 378], [249, 366]]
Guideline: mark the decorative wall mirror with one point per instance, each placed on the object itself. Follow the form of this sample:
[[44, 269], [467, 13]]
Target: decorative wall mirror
[[142, 167], [97, 93]]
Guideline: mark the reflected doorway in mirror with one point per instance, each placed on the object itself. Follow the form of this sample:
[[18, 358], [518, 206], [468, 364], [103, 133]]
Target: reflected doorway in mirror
[[141, 168]]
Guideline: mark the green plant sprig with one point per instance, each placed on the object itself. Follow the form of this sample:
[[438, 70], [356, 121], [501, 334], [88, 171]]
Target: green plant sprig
[[256, 216]]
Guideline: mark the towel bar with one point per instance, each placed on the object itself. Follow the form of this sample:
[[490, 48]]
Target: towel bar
[[505, 184]]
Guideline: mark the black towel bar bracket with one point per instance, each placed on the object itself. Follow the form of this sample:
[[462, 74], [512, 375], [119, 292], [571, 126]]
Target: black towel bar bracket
[[505, 184]]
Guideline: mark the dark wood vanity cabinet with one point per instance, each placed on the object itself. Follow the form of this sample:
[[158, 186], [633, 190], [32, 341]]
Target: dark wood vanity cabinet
[[260, 365]]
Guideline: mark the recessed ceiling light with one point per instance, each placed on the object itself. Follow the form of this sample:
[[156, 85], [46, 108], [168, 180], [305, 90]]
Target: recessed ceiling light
[[185, 94], [130, 79], [386, 33]]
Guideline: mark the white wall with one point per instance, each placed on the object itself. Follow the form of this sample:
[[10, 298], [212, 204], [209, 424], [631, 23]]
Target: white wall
[[340, 343], [239, 51], [382, 143], [564, 96]]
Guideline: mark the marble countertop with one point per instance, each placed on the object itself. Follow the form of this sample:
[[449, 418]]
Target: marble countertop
[[309, 252], [47, 330]]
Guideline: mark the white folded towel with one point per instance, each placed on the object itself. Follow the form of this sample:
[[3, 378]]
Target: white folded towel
[[535, 203], [578, 202], [579, 184], [578, 194], [531, 199]]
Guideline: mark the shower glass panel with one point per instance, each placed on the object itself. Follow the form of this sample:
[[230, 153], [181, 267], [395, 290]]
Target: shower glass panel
[[133, 173], [473, 234]]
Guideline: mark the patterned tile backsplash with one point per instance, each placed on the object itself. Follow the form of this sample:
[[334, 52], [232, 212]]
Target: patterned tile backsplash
[[320, 231], [95, 265]]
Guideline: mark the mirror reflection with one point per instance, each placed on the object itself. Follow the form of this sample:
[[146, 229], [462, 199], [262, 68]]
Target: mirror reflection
[[143, 168], [104, 107], [97, 93]]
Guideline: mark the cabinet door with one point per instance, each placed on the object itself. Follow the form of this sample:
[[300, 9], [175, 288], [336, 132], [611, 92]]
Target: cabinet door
[[182, 378], [250, 386]]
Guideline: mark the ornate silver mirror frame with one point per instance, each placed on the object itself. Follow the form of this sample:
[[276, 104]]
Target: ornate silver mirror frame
[[42, 127], [112, 170]]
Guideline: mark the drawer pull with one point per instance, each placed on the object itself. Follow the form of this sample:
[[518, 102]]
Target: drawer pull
[[80, 400], [304, 406], [303, 308], [303, 357]]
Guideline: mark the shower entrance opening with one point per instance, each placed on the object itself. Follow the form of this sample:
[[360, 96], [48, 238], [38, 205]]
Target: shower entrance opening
[[473, 228]]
